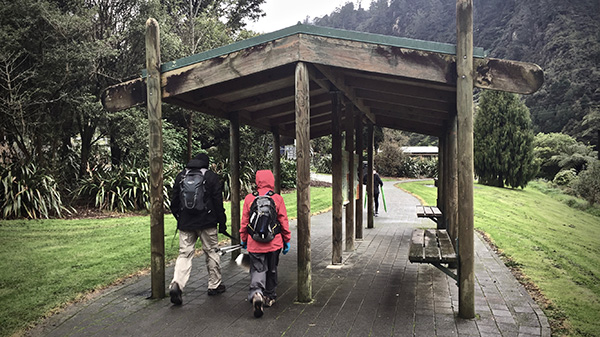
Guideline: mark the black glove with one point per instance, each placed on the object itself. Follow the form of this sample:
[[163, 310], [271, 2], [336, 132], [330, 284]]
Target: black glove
[[222, 228]]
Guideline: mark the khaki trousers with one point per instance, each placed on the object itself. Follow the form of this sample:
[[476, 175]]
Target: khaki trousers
[[210, 246]]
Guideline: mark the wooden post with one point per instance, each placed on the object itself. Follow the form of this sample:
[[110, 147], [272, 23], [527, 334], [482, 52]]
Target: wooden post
[[277, 160], [154, 101], [452, 209], [441, 180], [464, 105], [350, 177], [302, 101], [234, 167], [370, 180], [336, 175], [361, 172]]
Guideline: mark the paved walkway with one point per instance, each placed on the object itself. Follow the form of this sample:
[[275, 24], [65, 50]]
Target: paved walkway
[[376, 292]]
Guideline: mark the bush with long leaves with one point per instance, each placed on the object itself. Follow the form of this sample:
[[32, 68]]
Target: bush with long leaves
[[121, 188], [28, 192]]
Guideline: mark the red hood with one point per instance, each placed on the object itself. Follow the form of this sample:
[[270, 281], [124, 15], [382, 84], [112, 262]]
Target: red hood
[[265, 181]]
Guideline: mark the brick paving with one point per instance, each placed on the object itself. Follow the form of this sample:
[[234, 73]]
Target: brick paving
[[376, 292]]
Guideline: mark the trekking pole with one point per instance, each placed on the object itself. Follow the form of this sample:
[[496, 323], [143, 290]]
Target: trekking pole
[[229, 249], [383, 198]]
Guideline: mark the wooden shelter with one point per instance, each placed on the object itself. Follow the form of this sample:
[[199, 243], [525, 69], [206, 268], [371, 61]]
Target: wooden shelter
[[306, 82]]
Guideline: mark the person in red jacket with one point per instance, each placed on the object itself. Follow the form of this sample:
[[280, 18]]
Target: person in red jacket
[[264, 256]]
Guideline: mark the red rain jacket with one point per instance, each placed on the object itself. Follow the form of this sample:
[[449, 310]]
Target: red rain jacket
[[265, 183]]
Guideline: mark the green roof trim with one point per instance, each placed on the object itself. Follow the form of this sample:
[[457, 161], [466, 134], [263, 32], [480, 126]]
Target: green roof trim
[[387, 40]]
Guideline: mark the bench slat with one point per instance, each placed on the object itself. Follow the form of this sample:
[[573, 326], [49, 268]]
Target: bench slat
[[432, 250], [416, 252], [446, 247]]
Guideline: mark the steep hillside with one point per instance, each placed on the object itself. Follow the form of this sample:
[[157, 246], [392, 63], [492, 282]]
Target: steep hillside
[[563, 37]]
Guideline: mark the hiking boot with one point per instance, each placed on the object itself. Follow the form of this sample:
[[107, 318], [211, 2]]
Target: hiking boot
[[175, 293], [268, 302], [257, 303], [218, 290]]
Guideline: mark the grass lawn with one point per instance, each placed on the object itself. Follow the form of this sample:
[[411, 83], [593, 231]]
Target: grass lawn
[[45, 264], [555, 246]]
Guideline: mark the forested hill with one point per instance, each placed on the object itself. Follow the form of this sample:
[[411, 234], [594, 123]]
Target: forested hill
[[563, 37]]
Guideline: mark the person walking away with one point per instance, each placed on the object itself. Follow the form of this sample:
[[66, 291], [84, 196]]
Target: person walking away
[[264, 249], [197, 204], [377, 182]]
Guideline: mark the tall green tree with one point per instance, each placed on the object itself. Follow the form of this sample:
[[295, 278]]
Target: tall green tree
[[503, 141]]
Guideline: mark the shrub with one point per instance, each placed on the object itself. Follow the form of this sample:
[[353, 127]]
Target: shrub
[[322, 163], [389, 159], [120, 188], [28, 192], [288, 173], [564, 177], [587, 184]]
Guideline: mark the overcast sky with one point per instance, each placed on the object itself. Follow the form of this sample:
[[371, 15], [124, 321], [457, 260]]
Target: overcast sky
[[284, 13]]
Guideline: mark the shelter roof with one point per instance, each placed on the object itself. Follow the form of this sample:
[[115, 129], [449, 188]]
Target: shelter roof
[[396, 82]]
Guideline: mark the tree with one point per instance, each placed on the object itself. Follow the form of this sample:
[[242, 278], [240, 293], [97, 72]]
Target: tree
[[503, 141]]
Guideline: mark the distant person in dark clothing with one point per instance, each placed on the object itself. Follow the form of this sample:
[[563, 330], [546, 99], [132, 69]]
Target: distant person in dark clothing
[[196, 224], [377, 182]]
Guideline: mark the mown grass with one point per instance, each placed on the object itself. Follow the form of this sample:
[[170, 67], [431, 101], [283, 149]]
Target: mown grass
[[555, 246], [45, 264]]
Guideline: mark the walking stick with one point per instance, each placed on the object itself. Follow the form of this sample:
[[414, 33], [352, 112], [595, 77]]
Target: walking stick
[[383, 197]]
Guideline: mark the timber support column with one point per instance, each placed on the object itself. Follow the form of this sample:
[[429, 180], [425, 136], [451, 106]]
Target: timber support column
[[351, 173], [234, 167], [277, 160], [464, 104], [154, 101], [370, 180], [302, 101], [361, 173], [451, 214], [336, 174]]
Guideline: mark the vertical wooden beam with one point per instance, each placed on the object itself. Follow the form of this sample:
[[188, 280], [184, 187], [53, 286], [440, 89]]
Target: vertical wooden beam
[[361, 173], [277, 160], [370, 180], [234, 167], [190, 123], [336, 176], [302, 101], [350, 177], [464, 105], [441, 181], [154, 101], [452, 209]]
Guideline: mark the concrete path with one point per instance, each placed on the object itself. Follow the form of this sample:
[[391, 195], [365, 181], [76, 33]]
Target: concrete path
[[376, 292]]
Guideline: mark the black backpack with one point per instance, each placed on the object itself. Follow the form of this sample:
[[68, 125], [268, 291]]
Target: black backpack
[[263, 225], [192, 190]]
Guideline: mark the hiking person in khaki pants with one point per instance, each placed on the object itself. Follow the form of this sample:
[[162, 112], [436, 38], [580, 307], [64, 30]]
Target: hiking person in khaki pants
[[197, 204]]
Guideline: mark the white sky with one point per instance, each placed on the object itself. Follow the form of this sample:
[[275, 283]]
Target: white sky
[[284, 13]]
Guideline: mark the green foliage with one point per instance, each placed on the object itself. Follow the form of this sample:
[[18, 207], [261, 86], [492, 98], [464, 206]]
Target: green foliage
[[546, 148], [565, 177], [389, 158], [288, 173], [418, 167], [554, 245], [28, 192], [322, 162], [503, 141], [587, 184], [121, 188]]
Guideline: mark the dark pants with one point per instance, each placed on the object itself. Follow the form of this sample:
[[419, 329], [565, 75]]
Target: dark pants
[[263, 274], [376, 200]]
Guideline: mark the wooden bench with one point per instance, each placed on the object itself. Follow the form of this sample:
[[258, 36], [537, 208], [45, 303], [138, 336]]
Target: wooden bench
[[433, 246], [431, 212]]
